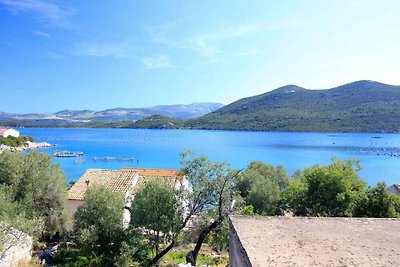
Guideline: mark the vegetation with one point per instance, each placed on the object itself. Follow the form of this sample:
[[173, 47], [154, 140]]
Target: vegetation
[[261, 187], [15, 141], [333, 190], [100, 235], [33, 189], [362, 106], [158, 122], [33, 195], [158, 210], [212, 193]]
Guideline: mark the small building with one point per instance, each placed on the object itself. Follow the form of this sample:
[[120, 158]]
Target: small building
[[126, 181], [395, 189], [6, 132], [303, 241]]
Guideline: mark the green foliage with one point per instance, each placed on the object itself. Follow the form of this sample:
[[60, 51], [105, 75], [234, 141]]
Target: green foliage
[[331, 190], [157, 208], [218, 239], [158, 122], [99, 230], [15, 141], [16, 215], [205, 178], [246, 210], [379, 203], [98, 222], [77, 258], [359, 106], [261, 185], [36, 190]]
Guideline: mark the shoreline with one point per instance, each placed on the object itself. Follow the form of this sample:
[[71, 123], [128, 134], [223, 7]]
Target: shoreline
[[28, 146]]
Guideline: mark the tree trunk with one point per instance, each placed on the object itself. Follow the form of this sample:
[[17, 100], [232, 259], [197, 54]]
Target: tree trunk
[[191, 257], [170, 246], [161, 254]]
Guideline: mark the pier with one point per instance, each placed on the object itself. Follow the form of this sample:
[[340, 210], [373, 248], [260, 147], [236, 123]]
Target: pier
[[67, 154], [115, 159]]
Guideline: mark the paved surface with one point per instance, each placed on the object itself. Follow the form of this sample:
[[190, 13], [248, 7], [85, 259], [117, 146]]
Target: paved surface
[[296, 241]]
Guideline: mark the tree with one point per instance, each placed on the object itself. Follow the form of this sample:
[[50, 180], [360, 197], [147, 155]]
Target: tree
[[37, 187], [210, 187], [212, 190], [379, 203], [260, 185], [331, 190], [98, 222], [158, 209]]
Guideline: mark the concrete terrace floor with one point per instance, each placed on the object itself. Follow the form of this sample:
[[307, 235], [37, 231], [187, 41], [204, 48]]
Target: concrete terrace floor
[[302, 241]]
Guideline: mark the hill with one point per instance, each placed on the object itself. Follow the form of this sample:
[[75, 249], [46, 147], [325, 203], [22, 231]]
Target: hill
[[73, 117], [358, 106], [158, 122]]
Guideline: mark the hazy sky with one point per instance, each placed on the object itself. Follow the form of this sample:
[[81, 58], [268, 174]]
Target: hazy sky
[[63, 54]]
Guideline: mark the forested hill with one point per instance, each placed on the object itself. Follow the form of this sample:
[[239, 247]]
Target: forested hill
[[358, 106]]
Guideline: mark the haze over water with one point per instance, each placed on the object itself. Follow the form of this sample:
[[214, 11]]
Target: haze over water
[[161, 148]]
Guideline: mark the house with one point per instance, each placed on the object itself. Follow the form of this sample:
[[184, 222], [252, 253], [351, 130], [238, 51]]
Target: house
[[126, 181], [395, 189], [6, 132], [304, 241]]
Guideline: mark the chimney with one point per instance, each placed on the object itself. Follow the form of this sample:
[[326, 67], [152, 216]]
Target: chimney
[[87, 182]]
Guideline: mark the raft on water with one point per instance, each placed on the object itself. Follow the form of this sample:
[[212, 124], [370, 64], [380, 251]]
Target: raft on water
[[115, 159], [67, 154]]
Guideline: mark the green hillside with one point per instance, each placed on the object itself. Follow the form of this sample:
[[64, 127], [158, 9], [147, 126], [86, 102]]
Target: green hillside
[[359, 106], [158, 122]]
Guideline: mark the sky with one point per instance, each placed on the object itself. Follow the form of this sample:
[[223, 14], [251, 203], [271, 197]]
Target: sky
[[59, 54]]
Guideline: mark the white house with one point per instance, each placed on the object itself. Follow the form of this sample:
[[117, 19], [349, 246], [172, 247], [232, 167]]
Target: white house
[[6, 132]]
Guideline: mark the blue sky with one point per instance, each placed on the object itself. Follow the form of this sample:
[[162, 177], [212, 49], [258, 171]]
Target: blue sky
[[96, 55]]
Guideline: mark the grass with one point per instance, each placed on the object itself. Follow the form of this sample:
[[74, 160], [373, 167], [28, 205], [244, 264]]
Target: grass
[[207, 256]]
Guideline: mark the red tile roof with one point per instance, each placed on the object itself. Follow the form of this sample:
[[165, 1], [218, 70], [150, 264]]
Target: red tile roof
[[117, 181]]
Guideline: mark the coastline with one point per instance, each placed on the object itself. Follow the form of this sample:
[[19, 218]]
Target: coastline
[[28, 146]]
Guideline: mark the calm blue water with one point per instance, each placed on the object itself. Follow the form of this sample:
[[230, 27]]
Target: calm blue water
[[161, 148]]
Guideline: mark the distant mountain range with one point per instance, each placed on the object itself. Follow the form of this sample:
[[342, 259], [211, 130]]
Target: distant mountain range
[[362, 106], [358, 106], [113, 115]]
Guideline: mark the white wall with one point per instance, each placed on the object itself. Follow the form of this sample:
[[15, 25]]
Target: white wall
[[73, 206], [10, 132]]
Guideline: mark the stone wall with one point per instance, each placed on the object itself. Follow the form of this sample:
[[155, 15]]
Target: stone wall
[[16, 247]]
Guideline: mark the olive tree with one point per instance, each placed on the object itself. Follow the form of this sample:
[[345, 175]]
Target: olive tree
[[261, 186], [98, 222], [158, 210], [330, 190], [37, 187], [210, 188]]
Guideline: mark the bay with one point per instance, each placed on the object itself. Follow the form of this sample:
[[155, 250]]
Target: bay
[[379, 153]]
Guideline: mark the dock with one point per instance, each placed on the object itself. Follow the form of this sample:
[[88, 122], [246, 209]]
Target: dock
[[67, 154], [115, 159]]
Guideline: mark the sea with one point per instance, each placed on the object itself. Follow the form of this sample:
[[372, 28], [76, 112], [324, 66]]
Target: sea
[[379, 153]]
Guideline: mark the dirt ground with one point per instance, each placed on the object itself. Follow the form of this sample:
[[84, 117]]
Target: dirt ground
[[295, 241]]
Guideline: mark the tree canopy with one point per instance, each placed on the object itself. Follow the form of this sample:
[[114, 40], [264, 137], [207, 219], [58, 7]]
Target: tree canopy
[[35, 188], [261, 185], [158, 209]]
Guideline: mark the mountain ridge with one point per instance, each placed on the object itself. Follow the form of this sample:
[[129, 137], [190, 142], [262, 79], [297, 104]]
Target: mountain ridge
[[358, 106], [178, 111]]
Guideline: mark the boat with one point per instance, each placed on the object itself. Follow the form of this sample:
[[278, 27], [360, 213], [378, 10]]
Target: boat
[[67, 154]]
